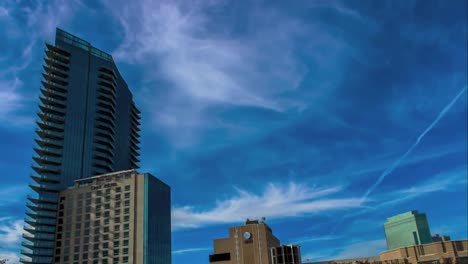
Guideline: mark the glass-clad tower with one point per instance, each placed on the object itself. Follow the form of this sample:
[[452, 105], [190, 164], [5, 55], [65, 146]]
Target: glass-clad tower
[[87, 125]]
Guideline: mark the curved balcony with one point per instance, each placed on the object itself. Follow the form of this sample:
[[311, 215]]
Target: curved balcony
[[102, 164], [41, 214], [46, 169], [105, 124], [53, 94], [39, 229], [41, 221], [107, 78], [134, 152], [107, 90], [108, 71], [37, 260], [55, 71], [55, 80], [54, 87], [51, 109], [47, 142], [48, 200], [39, 236], [57, 64], [57, 50], [49, 117], [42, 206], [107, 98], [106, 106], [134, 159], [57, 57], [106, 121], [45, 187], [48, 151], [98, 155], [104, 141], [104, 83], [48, 160], [134, 140], [52, 102], [49, 134], [47, 179], [38, 244], [134, 146], [106, 150], [133, 165], [104, 133], [48, 125]]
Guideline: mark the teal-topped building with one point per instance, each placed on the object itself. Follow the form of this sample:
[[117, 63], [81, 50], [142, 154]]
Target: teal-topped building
[[407, 229], [87, 124]]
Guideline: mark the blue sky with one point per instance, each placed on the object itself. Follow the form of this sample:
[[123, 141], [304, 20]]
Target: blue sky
[[301, 112]]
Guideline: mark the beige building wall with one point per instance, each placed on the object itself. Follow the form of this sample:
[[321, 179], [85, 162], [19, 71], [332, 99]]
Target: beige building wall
[[446, 251], [247, 244], [100, 220]]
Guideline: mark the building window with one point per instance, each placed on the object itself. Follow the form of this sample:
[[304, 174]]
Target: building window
[[125, 260], [126, 226], [116, 252], [127, 195], [127, 203], [126, 218], [125, 251], [126, 211], [118, 189], [117, 196], [127, 187], [125, 243]]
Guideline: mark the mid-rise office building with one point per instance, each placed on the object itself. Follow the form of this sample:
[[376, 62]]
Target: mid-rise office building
[[87, 124], [407, 229], [121, 217], [286, 254], [250, 243]]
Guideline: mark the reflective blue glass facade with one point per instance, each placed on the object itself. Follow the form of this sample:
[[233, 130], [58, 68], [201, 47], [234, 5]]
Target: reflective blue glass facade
[[157, 223], [87, 124]]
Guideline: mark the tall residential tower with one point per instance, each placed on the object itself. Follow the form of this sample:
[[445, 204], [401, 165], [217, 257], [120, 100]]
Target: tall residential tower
[[88, 125]]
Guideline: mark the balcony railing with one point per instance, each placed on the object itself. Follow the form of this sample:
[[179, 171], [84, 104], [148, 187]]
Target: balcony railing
[[47, 142]]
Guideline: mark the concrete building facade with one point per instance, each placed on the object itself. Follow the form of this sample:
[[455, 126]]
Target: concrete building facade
[[121, 217], [407, 229], [444, 252], [250, 243]]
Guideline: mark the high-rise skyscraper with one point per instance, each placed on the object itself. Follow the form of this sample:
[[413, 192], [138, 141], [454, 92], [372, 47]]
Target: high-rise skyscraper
[[88, 125], [119, 217], [407, 229]]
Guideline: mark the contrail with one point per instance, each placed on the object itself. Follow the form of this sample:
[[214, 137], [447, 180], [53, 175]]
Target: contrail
[[415, 144]]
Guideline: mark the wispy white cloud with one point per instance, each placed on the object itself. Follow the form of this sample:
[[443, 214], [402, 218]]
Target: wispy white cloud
[[10, 232], [11, 256], [315, 239], [189, 250], [276, 201], [39, 23], [193, 62]]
